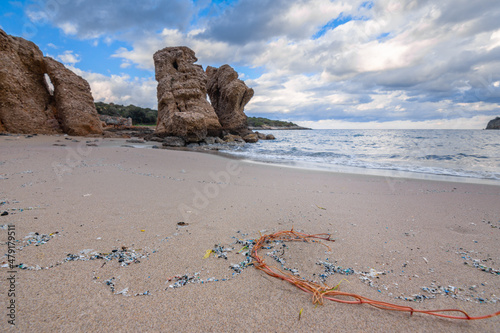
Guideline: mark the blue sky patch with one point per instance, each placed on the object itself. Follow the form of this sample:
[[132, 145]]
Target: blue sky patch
[[367, 5], [340, 20], [383, 35]]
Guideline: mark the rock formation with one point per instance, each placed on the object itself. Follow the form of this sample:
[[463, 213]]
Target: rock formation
[[73, 100], [494, 124], [229, 95], [30, 104], [24, 101], [183, 109], [115, 122]]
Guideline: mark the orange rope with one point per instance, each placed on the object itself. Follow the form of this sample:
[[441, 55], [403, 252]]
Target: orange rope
[[320, 292]]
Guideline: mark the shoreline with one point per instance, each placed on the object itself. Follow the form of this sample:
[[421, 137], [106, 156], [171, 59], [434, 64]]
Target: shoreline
[[122, 142], [376, 172], [349, 170]]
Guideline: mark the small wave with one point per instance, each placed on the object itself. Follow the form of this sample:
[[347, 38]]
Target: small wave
[[439, 157], [454, 153]]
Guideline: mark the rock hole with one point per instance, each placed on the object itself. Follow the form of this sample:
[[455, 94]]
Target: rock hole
[[48, 84], [176, 65]]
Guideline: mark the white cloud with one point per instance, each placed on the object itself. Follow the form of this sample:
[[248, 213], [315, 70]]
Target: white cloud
[[69, 28], [396, 62], [121, 89], [477, 122], [95, 18], [68, 57], [142, 51], [125, 64], [108, 41]]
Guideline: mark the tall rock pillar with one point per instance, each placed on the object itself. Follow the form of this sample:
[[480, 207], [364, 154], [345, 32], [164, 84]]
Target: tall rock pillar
[[229, 95], [183, 108]]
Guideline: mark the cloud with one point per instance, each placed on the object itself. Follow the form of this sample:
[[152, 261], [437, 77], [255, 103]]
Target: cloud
[[69, 28], [94, 18], [367, 62], [247, 21], [207, 51], [125, 64], [423, 66], [68, 57], [421, 69], [121, 89], [477, 122]]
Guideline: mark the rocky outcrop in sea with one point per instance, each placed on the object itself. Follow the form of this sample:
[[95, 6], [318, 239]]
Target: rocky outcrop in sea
[[494, 124]]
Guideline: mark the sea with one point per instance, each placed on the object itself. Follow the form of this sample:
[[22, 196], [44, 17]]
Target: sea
[[449, 155]]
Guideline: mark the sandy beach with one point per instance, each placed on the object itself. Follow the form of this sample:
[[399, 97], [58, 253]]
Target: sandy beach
[[396, 235]]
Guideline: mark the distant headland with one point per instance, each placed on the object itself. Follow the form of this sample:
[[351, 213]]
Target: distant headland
[[147, 116], [259, 123], [494, 124]]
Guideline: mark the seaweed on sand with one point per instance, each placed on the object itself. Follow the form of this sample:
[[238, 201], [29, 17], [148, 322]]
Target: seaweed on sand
[[321, 292]]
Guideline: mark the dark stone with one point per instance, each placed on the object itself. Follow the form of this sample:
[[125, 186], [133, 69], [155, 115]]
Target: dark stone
[[136, 141], [494, 124], [261, 136], [251, 138], [209, 140], [233, 138], [173, 141]]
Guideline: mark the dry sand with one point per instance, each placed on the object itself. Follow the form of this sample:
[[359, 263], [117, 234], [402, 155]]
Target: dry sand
[[106, 197]]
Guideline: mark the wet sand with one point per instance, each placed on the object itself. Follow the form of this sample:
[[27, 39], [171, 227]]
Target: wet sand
[[404, 234]]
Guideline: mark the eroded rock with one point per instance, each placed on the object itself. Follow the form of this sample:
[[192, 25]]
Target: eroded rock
[[115, 121], [251, 138], [233, 138], [173, 141], [40, 95], [494, 124], [229, 95], [25, 103], [183, 109], [73, 101]]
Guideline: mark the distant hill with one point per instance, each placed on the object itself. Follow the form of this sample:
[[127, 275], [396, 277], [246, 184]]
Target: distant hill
[[140, 116], [147, 116], [256, 123], [494, 124]]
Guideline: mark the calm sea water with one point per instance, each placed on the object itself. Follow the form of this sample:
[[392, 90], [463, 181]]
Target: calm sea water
[[468, 154]]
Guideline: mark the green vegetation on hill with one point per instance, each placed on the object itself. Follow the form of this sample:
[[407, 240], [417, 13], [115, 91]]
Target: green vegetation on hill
[[259, 122], [147, 116], [144, 116]]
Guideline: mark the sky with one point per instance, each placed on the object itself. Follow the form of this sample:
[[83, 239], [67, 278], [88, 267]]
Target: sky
[[319, 63]]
